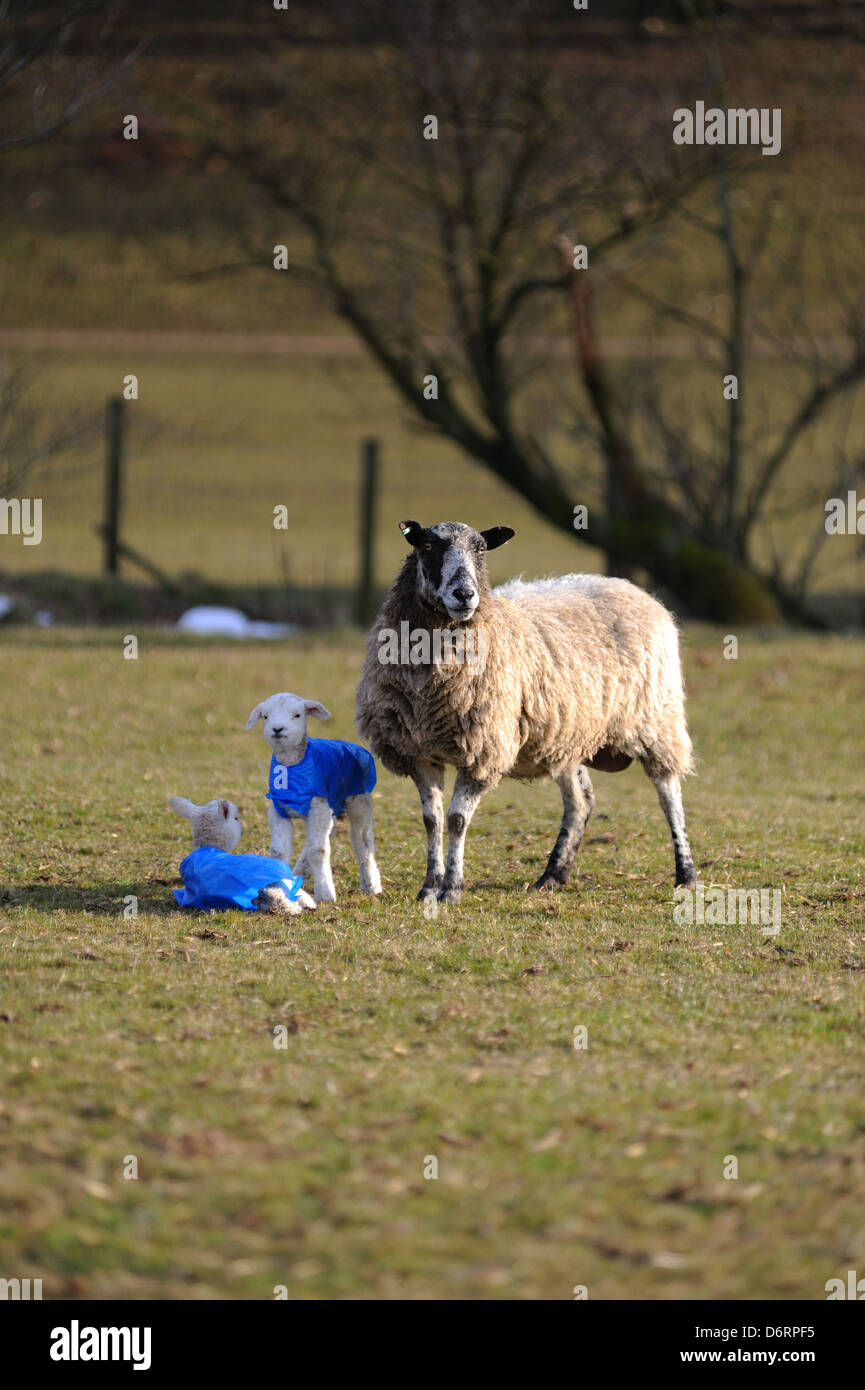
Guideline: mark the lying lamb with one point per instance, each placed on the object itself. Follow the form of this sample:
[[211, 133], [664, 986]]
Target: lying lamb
[[579, 672], [316, 780], [215, 878]]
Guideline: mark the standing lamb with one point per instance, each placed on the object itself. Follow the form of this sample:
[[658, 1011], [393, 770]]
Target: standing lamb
[[578, 672], [316, 780]]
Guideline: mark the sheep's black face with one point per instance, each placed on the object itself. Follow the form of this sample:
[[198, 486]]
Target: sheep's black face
[[451, 566]]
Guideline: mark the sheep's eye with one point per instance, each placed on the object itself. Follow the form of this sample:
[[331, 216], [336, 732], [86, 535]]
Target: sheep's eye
[[428, 545]]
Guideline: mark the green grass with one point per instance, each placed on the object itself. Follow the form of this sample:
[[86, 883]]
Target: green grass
[[409, 1037]]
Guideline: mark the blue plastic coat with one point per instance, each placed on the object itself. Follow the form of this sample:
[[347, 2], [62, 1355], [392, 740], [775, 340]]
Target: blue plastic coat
[[329, 768], [215, 879]]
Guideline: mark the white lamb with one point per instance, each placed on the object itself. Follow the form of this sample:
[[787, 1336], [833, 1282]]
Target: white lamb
[[316, 780], [214, 878]]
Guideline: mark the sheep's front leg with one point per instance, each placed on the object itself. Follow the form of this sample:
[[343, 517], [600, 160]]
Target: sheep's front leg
[[429, 781], [281, 834], [360, 832], [316, 851], [578, 800], [467, 794]]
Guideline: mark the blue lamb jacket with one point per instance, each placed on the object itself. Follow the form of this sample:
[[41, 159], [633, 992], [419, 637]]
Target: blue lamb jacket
[[215, 879], [329, 768]]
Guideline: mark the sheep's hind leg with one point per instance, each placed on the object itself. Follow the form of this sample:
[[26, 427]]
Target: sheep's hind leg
[[429, 780], [669, 791], [467, 794], [578, 800], [360, 832]]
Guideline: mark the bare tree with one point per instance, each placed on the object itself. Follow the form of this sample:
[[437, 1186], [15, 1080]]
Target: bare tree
[[43, 88], [453, 259]]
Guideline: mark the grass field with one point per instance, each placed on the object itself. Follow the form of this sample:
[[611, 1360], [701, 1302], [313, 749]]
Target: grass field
[[409, 1038], [217, 441]]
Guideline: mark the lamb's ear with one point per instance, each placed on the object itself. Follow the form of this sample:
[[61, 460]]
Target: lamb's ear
[[496, 536], [183, 807], [413, 532], [317, 709], [256, 714], [225, 808]]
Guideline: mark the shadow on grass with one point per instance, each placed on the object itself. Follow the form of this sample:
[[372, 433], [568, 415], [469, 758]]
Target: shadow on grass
[[152, 898]]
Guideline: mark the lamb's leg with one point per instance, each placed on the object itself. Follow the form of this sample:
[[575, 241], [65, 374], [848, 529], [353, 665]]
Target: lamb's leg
[[669, 791], [429, 780], [281, 834], [467, 794], [302, 865], [578, 800], [274, 899], [316, 851], [360, 832]]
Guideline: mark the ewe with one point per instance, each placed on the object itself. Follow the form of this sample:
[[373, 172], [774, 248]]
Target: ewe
[[578, 672], [316, 780], [215, 878]]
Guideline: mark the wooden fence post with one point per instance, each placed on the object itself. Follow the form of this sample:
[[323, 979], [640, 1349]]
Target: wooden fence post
[[365, 603], [114, 421]]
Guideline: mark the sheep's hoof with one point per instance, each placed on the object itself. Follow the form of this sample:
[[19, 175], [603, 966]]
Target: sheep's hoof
[[548, 883], [686, 878], [450, 895], [427, 895]]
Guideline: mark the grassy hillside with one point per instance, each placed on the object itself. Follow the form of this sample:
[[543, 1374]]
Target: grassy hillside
[[215, 443], [217, 440]]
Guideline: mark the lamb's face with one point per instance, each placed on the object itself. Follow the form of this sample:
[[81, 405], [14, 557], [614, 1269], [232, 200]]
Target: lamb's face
[[452, 570], [283, 720], [223, 825], [215, 824]]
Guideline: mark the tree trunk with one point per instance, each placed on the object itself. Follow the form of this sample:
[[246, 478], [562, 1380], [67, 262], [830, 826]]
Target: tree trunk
[[640, 529]]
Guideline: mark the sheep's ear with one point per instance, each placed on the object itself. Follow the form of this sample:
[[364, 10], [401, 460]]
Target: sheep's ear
[[225, 809], [183, 807], [317, 709], [256, 714], [496, 536], [413, 532]]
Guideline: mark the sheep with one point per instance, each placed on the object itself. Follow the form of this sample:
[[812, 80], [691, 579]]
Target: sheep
[[579, 672], [316, 780], [215, 878]]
